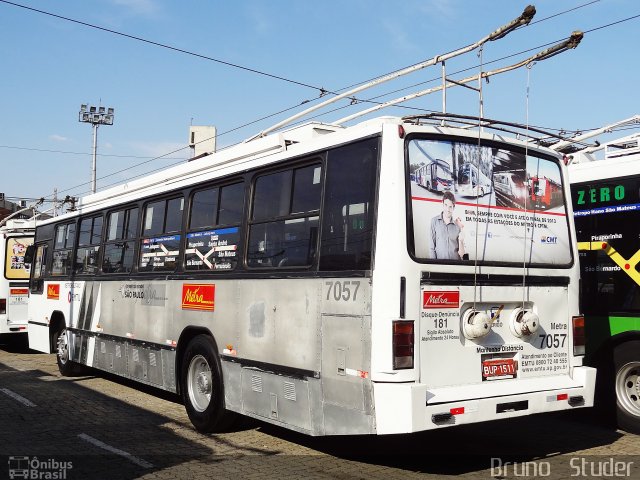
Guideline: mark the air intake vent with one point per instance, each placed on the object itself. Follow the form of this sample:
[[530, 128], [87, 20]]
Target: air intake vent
[[256, 383], [290, 391]]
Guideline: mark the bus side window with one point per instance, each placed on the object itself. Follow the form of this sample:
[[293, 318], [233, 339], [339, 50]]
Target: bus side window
[[160, 245], [119, 242], [89, 237], [285, 220], [63, 250], [213, 236], [347, 225], [38, 269]]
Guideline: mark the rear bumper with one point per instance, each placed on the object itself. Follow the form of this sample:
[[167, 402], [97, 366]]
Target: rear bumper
[[13, 326], [412, 407]]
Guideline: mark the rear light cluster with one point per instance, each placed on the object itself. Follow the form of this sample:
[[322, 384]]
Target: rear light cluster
[[3, 306], [403, 344], [579, 337]]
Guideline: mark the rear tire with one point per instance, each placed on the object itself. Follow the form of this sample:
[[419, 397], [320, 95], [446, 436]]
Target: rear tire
[[626, 359], [202, 387]]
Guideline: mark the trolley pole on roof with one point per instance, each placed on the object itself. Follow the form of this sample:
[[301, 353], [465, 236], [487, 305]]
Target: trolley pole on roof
[[96, 116], [524, 19]]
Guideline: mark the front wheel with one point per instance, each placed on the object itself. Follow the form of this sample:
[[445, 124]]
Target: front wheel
[[202, 387], [66, 367], [627, 386]]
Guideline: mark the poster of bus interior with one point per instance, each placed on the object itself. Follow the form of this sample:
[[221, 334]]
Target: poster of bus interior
[[474, 202]]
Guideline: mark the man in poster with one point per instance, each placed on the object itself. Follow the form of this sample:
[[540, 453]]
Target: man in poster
[[446, 241]]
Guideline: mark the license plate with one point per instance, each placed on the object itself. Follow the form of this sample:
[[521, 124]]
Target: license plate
[[499, 367]]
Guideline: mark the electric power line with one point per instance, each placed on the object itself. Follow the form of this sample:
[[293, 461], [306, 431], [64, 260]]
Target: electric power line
[[43, 150], [169, 47], [321, 89], [367, 100]]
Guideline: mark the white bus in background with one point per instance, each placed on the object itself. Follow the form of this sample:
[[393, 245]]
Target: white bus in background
[[435, 176], [289, 279], [15, 236], [471, 181]]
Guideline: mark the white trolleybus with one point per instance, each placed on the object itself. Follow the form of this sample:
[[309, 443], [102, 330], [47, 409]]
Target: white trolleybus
[[305, 279], [15, 237]]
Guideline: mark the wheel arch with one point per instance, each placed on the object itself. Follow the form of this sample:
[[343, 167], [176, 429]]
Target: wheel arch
[[604, 351], [188, 334], [56, 324]]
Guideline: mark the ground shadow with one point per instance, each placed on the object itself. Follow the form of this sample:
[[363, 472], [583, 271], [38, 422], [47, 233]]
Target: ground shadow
[[468, 448]]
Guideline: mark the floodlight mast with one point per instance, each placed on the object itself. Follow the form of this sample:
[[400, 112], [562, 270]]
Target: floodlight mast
[[524, 19], [96, 116]]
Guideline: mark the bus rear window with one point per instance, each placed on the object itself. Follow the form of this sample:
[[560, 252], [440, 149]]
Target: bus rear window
[[15, 268], [485, 203]]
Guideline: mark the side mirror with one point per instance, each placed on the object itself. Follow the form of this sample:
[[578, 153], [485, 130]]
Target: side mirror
[[28, 254]]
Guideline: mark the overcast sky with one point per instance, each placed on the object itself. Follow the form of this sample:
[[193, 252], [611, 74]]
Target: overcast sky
[[51, 65]]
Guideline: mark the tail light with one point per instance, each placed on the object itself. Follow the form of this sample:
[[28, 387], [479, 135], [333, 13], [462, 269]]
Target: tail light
[[579, 337], [402, 344], [3, 305]]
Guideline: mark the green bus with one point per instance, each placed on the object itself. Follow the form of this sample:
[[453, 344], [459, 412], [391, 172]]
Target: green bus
[[606, 204]]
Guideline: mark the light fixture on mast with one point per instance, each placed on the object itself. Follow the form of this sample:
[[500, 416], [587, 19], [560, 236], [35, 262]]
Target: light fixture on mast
[[96, 116]]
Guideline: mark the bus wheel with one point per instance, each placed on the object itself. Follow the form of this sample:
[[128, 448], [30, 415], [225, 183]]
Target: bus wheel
[[202, 387], [67, 367], [627, 385]]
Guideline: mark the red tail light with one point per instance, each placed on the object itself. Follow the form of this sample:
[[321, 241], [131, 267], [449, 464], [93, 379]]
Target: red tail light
[[402, 344], [3, 306], [579, 337]]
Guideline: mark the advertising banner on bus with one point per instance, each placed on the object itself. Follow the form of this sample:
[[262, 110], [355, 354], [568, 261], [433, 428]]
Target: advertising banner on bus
[[501, 206], [15, 268]]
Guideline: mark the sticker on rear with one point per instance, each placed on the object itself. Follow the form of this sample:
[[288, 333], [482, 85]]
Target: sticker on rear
[[441, 313]]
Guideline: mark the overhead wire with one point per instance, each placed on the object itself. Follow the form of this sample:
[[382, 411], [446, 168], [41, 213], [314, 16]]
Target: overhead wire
[[175, 151], [472, 68], [168, 47], [322, 90], [44, 150], [363, 100]]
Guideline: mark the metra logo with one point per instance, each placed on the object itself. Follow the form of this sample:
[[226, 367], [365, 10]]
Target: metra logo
[[441, 299], [53, 291], [198, 296], [549, 240]]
